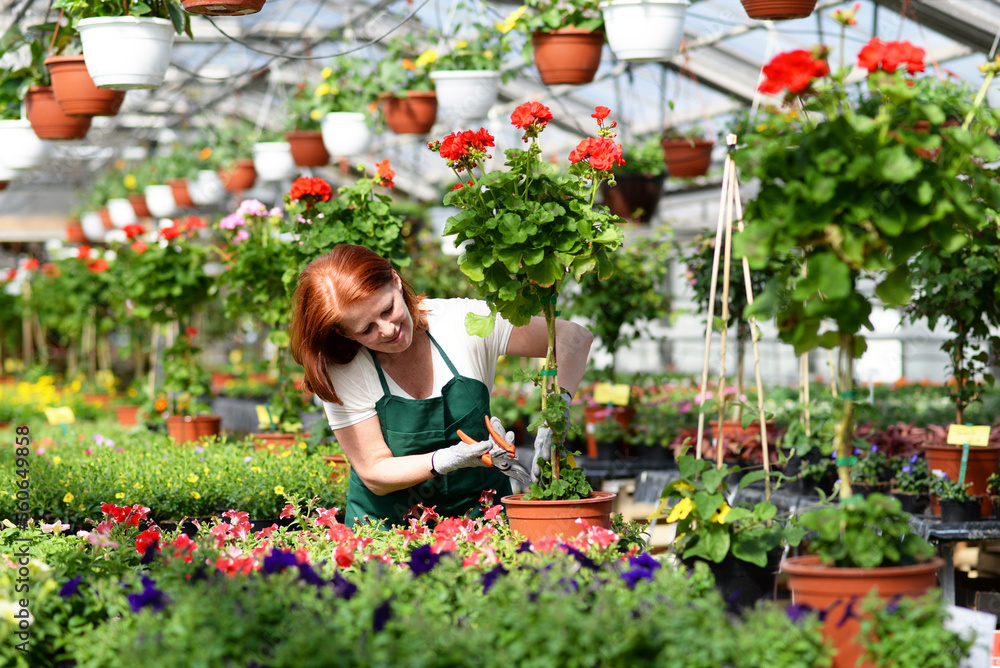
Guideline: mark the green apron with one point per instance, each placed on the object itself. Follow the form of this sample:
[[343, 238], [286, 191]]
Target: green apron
[[418, 426]]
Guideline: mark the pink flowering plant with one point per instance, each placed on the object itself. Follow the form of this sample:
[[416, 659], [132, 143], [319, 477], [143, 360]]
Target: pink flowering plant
[[529, 228]]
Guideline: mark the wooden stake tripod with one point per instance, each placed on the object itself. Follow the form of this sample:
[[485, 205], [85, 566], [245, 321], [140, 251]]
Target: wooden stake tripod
[[730, 206]]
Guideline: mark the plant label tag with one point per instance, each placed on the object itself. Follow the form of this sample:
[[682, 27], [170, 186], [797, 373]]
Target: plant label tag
[[612, 393], [60, 415], [264, 417], [960, 434], [967, 622]]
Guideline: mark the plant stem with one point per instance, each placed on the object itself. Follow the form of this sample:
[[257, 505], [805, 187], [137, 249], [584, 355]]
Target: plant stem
[[550, 383], [843, 439]]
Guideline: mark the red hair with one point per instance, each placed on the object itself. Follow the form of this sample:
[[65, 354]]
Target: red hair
[[329, 284]]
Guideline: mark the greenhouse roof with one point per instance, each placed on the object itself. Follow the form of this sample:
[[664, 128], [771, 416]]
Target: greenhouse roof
[[249, 66]]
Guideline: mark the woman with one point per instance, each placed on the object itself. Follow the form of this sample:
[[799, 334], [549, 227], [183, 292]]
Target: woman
[[399, 375]]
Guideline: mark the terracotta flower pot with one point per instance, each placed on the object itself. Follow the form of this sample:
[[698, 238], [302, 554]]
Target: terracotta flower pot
[[983, 460], [413, 114], [128, 416], [48, 119], [778, 10], [76, 91], [188, 428], [537, 519], [833, 589], [181, 194], [634, 194], [139, 205], [106, 220], [74, 232], [687, 158], [307, 148], [273, 440], [593, 415], [223, 7], [241, 177], [567, 55]]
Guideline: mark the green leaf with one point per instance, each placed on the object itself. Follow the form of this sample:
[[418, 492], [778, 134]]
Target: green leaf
[[753, 546], [895, 289], [479, 325], [752, 477]]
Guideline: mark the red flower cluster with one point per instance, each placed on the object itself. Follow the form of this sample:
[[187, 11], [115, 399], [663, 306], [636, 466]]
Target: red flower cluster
[[602, 153], [133, 230], [887, 56], [311, 186], [31, 264], [794, 70], [194, 222], [531, 114], [457, 145], [83, 252], [171, 232], [385, 174], [98, 265], [145, 540], [600, 113], [139, 246], [462, 185], [125, 514], [183, 547]]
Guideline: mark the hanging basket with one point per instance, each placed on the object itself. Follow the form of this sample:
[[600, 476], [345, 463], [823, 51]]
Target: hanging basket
[[207, 189], [272, 160], [634, 197], [47, 118], [778, 10], [121, 212], [346, 133], [182, 196], [413, 114], [307, 148], [138, 202], [126, 52], [241, 177], [76, 91], [567, 55], [22, 149], [160, 200], [222, 7], [687, 158], [644, 30], [74, 232], [93, 227], [466, 94]]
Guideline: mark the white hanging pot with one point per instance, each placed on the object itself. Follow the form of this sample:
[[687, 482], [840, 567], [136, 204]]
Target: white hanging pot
[[121, 212], [160, 201], [644, 29], [126, 52], [207, 189], [346, 133], [21, 147], [273, 161], [93, 226], [466, 94]]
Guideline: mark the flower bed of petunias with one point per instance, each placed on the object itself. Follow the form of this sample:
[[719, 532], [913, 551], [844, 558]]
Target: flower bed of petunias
[[72, 473], [439, 592]]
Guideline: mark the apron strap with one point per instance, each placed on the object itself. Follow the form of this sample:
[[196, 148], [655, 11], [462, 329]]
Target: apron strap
[[381, 376]]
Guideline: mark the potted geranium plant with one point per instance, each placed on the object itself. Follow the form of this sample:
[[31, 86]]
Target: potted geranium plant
[[530, 229], [257, 259], [638, 184], [408, 100], [566, 39], [127, 45]]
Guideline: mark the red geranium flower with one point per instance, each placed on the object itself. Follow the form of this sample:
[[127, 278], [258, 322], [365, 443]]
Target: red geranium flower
[[31, 263], [794, 70], [311, 186], [139, 246], [888, 56], [385, 174], [531, 113], [600, 113], [98, 265], [601, 152], [194, 222], [190, 332], [83, 253], [133, 230], [171, 232]]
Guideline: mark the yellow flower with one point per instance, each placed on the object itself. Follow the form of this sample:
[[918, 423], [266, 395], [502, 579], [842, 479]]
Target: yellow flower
[[193, 478], [57, 460], [681, 510], [255, 469], [130, 181], [138, 485], [461, 45], [83, 508], [322, 89], [68, 498], [508, 23], [120, 495], [301, 445], [327, 72], [683, 485], [195, 495], [487, 54], [720, 514], [426, 58], [279, 490], [316, 115]]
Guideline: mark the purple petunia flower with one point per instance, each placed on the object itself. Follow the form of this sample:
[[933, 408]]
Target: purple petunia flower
[[524, 547], [848, 612], [342, 587], [644, 560], [489, 578], [797, 612], [149, 596], [907, 469], [382, 615], [583, 559], [633, 576], [914, 458], [423, 559], [874, 448], [307, 574], [278, 560], [70, 588]]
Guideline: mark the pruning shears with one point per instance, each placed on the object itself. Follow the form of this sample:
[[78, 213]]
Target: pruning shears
[[510, 465]]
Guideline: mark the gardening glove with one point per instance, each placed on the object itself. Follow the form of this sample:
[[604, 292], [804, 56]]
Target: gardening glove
[[543, 443], [465, 455]]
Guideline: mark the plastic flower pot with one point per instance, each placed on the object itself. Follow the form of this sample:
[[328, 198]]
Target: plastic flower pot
[[466, 94], [222, 7], [413, 114], [567, 55], [960, 511], [273, 161], [687, 158], [48, 119], [983, 461], [161, 202], [76, 91], [307, 148], [22, 149], [346, 133], [121, 212], [538, 519], [644, 29], [241, 177], [126, 52], [93, 227], [778, 10], [207, 188], [128, 416], [188, 428], [634, 194], [273, 440], [138, 201]]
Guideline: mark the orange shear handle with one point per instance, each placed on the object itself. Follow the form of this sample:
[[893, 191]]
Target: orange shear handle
[[495, 435]]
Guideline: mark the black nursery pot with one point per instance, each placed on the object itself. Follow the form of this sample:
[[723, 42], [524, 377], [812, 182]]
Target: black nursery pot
[[914, 504], [960, 511], [741, 583]]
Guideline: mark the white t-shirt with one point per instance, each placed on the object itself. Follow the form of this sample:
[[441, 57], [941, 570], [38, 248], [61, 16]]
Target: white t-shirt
[[357, 382]]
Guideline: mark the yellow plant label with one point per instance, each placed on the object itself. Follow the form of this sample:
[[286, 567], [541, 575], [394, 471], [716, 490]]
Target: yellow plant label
[[960, 434], [60, 415], [612, 393], [264, 417]]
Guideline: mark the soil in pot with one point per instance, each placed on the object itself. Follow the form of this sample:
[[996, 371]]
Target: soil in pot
[[567, 55], [537, 519], [48, 119]]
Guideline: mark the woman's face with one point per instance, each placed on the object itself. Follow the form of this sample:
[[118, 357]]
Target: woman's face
[[381, 322]]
